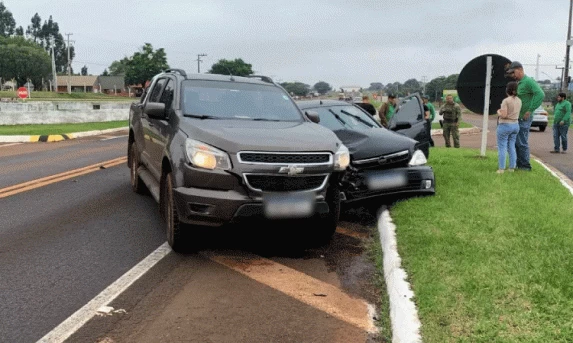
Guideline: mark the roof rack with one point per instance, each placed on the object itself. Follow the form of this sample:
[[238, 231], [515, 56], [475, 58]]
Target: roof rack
[[263, 78], [180, 71]]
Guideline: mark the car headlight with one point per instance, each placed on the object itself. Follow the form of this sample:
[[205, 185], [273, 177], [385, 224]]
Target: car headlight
[[205, 156], [418, 159], [341, 158]]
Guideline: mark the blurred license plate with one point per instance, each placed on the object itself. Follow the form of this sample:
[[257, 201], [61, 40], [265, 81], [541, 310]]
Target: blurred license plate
[[386, 180], [289, 205]]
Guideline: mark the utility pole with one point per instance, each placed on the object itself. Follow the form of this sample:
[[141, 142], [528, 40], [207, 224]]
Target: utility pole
[[566, 72], [70, 64], [55, 75], [202, 55], [424, 82], [537, 68]]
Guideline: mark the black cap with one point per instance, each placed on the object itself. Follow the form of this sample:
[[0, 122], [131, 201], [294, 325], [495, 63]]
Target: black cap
[[514, 65], [391, 95], [425, 96]]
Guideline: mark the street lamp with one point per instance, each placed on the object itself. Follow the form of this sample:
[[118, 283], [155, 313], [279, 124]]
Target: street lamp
[[199, 62], [564, 82]]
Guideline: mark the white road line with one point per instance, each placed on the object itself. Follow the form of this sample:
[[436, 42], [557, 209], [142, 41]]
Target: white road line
[[403, 314], [81, 316], [107, 139], [5, 145]]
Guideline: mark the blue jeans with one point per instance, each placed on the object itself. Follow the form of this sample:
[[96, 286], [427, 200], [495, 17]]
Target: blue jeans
[[522, 143], [560, 135], [506, 137]]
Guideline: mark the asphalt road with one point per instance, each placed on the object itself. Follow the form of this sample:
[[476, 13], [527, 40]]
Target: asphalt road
[[64, 243]]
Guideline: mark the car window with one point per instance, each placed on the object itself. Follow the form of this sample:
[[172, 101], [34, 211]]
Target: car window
[[167, 94], [345, 117], [410, 111], [238, 100], [156, 91]]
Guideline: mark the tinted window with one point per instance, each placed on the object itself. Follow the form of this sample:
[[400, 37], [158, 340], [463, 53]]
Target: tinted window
[[344, 117], [410, 111], [237, 100], [156, 91], [167, 95]]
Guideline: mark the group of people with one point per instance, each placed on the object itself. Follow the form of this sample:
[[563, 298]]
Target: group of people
[[524, 96]]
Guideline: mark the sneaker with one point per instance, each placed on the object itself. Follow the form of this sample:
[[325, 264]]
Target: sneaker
[[554, 151], [510, 170], [564, 151], [500, 171]]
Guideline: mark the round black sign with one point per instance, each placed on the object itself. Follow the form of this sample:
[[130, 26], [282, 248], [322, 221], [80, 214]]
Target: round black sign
[[471, 83]]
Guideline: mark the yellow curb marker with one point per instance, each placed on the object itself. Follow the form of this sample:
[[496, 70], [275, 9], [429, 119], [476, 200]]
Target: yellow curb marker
[[26, 186]]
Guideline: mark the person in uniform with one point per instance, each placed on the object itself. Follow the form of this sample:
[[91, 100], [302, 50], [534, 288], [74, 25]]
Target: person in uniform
[[452, 114], [387, 110], [432, 110]]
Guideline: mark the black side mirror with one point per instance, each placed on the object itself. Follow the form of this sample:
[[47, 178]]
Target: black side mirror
[[155, 110], [401, 125], [313, 116]]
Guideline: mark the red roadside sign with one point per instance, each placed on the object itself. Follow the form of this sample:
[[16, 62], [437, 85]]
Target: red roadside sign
[[22, 92]]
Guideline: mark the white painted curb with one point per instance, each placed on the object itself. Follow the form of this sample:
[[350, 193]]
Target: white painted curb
[[562, 178], [403, 313], [26, 139]]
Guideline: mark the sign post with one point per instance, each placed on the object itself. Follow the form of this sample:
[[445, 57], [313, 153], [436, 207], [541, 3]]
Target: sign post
[[486, 106], [22, 92]]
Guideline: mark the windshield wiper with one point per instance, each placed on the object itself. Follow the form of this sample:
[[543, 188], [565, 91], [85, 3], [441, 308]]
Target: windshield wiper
[[338, 117], [200, 116], [357, 117], [265, 119]]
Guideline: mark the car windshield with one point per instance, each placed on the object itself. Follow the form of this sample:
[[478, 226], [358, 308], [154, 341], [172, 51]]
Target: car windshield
[[345, 117], [235, 100]]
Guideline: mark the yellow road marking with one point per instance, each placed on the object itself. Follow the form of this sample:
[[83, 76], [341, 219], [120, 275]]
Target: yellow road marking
[[26, 186], [311, 291]]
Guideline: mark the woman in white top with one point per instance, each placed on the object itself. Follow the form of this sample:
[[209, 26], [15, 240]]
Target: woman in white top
[[508, 127]]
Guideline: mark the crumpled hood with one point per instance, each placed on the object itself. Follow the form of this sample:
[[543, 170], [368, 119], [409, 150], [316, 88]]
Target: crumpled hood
[[236, 135], [374, 142]]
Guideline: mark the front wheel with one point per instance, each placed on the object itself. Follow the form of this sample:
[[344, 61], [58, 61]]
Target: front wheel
[[326, 226], [177, 232]]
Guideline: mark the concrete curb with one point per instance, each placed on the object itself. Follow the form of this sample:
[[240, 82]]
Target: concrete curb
[[403, 314], [465, 131], [56, 138]]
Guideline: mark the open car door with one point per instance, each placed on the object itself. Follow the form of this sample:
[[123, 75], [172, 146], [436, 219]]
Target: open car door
[[409, 121]]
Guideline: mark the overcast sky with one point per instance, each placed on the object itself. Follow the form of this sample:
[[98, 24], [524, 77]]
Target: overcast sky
[[342, 42]]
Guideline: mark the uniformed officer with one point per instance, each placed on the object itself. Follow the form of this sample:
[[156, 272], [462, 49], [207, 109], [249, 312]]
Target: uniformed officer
[[452, 114]]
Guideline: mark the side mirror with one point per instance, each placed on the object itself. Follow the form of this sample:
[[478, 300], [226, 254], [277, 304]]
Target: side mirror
[[313, 116], [401, 125], [155, 110]]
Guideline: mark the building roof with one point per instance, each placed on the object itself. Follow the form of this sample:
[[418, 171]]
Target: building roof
[[76, 80], [111, 82]]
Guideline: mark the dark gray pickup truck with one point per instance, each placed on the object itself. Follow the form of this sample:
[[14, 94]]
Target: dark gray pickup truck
[[216, 149]]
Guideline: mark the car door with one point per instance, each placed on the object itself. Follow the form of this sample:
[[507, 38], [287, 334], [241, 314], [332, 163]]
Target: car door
[[409, 121], [161, 127], [150, 132]]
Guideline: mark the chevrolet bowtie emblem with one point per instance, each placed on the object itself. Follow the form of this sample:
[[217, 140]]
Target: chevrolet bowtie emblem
[[291, 170]]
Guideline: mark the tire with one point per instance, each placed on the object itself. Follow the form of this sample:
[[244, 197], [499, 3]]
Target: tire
[[137, 184], [177, 232], [326, 226], [542, 128]]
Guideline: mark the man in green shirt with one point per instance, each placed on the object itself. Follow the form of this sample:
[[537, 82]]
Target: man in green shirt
[[531, 96], [387, 109], [432, 116], [561, 122]]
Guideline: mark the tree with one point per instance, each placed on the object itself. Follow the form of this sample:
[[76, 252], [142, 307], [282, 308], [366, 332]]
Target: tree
[[50, 36], [105, 73], [412, 86], [322, 87], [296, 88], [376, 86], [22, 59], [118, 67], [84, 70], [236, 67], [143, 65], [7, 22], [35, 29], [19, 31]]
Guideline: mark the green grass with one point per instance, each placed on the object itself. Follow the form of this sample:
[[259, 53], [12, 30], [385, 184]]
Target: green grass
[[375, 254], [51, 96], [489, 256], [463, 125], [58, 129]]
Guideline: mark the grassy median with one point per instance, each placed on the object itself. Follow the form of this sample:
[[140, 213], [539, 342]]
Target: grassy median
[[58, 129], [489, 256]]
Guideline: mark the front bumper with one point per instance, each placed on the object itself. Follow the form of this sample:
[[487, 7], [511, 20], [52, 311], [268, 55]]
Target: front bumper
[[217, 207], [418, 180]]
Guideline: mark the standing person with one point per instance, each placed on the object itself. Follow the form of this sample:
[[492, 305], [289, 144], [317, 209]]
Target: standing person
[[387, 109], [430, 106], [531, 96], [508, 128], [367, 106], [452, 113], [561, 122]]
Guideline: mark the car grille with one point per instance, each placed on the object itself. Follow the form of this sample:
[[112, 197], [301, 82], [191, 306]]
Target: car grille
[[394, 160], [284, 158], [279, 183]]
